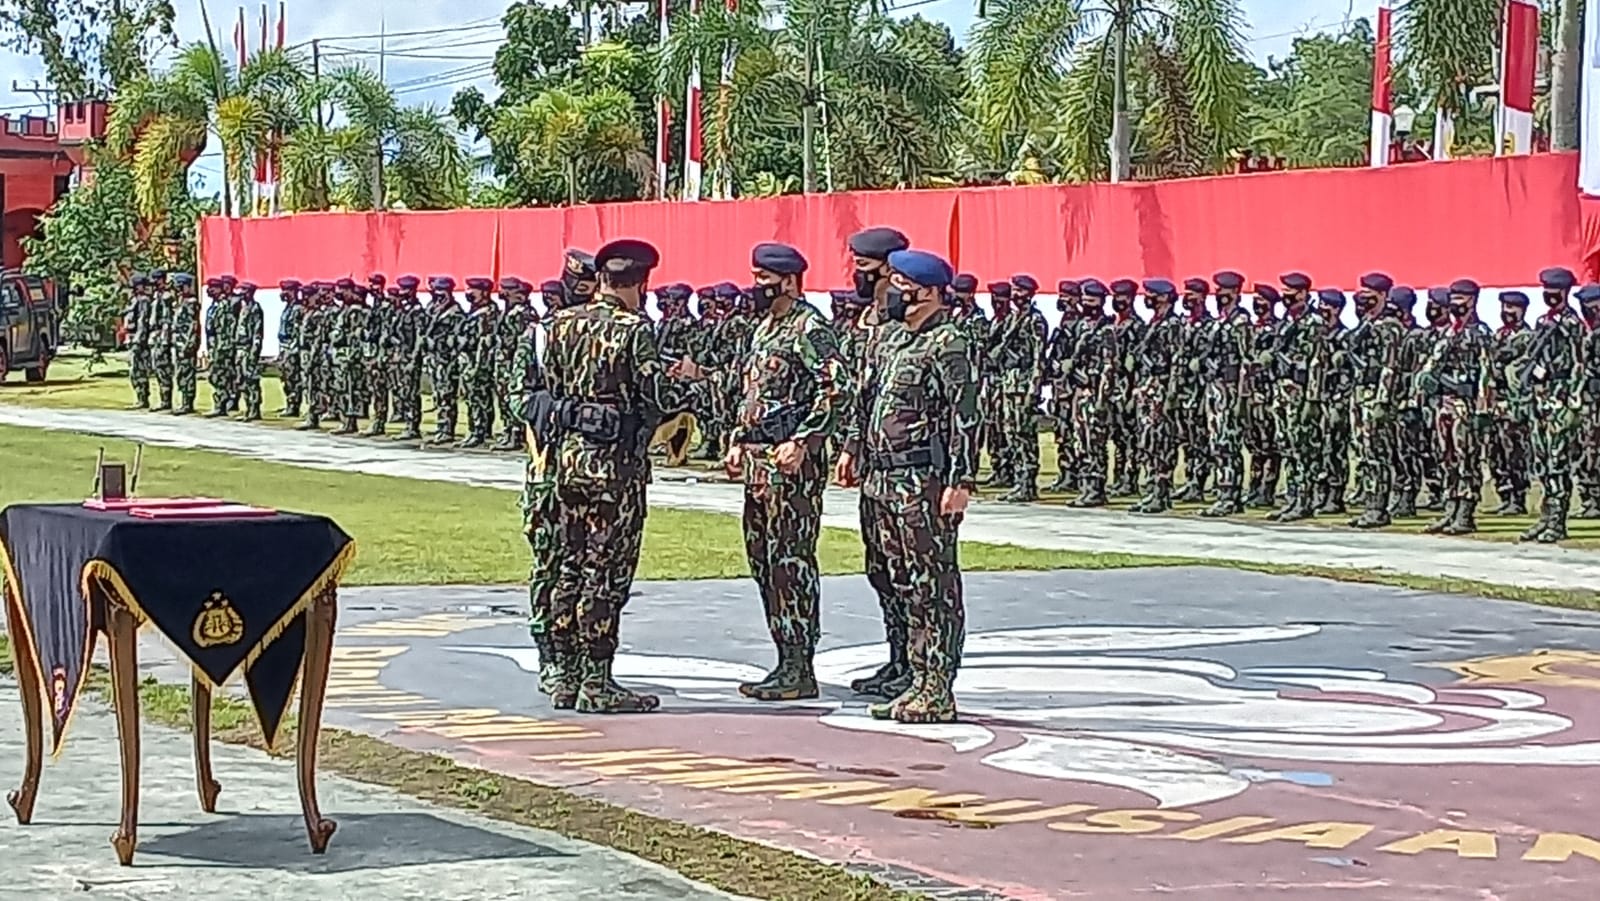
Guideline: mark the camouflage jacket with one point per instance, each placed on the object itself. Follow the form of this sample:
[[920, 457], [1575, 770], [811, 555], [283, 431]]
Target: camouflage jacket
[[442, 334], [185, 328], [158, 321], [508, 332], [925, 395], [1554, 366], [347, 327], [1512, 343], [1059, 351], [478, 342], [1019, 350], [793, 363], [136, 319], [290, 326], [379, 322], [402, 339], [222, 320], [1459, 364], [248, 332]]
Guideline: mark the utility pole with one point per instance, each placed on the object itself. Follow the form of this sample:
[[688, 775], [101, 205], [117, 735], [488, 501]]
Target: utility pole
[[808, 119], [1566, 75], [316, 75], [46, 95], [1121, 141], [377, 139]]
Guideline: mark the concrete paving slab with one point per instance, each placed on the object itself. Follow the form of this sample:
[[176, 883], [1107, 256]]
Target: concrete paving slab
[[388, 846], [1050, 528]]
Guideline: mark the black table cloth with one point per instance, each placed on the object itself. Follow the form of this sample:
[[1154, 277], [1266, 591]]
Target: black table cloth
[[226, 593]]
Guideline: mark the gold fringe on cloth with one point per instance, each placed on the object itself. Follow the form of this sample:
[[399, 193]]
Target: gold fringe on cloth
[[27, 643]]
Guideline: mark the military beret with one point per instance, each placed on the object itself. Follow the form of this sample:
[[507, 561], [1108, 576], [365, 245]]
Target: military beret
[[926, 269], [1267, 292], [227, 280], [1513, 298], [248, 287], [626, 255], [1025, 283], [706, 291], [1439, 296], [158, 274], [213, 282], [679, 291], [345, 284], [1227, 279], [1000, 289], [441, 283], [377, 278], [182, 279], [966, 283], [478, 283], [408, 282], [289, 284], [1331, 297], [396, 291], [511, 283], [1557, 279], [1093, 287], [1297, 281], [726, 290], [320, 286], [1159, 286], [878, 243], [552, 287], [1124, 286], [1402, 297], [580, 263], [139, 281], [1069, 288], [1197, 285], [1589, 293], [777, 258], [1376, 281], [1465, 286]]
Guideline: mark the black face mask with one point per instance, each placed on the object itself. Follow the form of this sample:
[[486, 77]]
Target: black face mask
[[896, 305], [866, 283], [762, 296], [1555, 298], [1122, 304], [1508, 317]]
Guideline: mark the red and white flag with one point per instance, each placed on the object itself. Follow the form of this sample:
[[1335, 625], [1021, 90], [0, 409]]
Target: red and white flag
[[663, 123], [692, 149], [1589, 130], [1519, 62], [263, 161], [1382, 93]]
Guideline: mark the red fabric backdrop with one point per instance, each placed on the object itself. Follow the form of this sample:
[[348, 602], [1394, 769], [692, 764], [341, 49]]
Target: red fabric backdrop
[[1499, 221]]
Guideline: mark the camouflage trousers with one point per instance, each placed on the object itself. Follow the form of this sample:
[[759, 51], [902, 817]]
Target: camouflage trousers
[[1377, 447], [1019, 437], [1509, 449], [478, 387], [991, 438], [782, 522], [349, 386], [1089, 433], [918, 548], [1122, 423], [405, 387], [316, 384], [1335, 434], [1554, 431], [378, 376], [1587, 436], [1190, 423], [541, 523], [1460, 449], [1299, 429], [1260, 425], [222, 373], [248, 386], [600, 540], [162, 368], [1158, 435], [185, 377], [1224, 431], [289, 374], [507, 397], [139, 373], [442, 374], [1070, 453], [1413, 459]]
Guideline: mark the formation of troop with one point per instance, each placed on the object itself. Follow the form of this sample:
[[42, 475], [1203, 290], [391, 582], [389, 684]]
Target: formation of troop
[[163, 328]]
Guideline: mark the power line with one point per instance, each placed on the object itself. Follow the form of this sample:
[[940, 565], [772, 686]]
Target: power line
[[474, 26]]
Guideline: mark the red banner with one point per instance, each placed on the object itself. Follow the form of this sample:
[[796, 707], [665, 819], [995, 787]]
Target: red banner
[[1499, 221]]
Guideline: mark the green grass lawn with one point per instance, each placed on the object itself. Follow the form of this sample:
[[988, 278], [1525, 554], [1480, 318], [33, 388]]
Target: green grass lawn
[[71, 385]]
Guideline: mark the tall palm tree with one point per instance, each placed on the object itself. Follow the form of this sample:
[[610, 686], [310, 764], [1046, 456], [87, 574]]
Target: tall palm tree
[[579, 134], [1448, 47]]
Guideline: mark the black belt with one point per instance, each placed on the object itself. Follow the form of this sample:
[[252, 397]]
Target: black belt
[[915, 458]]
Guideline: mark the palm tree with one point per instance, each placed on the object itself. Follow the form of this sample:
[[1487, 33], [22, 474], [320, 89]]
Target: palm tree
[[1073, 77], [580, 134], [1448, 47], [1566, 74]]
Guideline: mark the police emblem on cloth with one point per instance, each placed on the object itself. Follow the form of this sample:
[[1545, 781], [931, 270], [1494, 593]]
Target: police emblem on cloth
[[218, 624]]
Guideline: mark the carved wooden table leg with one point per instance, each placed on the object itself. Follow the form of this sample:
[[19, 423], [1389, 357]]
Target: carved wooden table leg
[[320, 621], [30, 682], [200, 711], [123, 627]]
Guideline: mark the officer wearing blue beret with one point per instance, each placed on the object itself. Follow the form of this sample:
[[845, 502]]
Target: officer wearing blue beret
[[1016, 358], [185, 331], [443, 325]]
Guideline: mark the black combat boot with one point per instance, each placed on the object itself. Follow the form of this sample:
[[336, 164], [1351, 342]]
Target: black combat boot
[[252, 413], [1228, 504], [1533, 532], [1332, 501], [1445, 519], [1464, 522], [1517, 503], [1404, 504], [507, 442], [1025, 492], [791, 680], [411, 433], [1556, 529], [1063, 483], [893, 677], [1376, 514], [347, 426], [471, 441], [1091, 495]]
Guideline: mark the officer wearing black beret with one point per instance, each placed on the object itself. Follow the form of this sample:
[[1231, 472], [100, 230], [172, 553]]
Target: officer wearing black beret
[[137, 333], [552, 293], [974, 322], [514, 321], [185, 342], [1154, 359], [1122, 414], [603, 366], [1224, 350], [579, 276], [1058, 369], [1260, 417], [871, 248], [1453, 373]]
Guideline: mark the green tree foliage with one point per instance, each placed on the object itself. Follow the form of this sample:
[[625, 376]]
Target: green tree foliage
[[90, 48], [1314, 106]]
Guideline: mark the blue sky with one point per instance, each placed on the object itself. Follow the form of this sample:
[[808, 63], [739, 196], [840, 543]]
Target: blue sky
[[428, 68]]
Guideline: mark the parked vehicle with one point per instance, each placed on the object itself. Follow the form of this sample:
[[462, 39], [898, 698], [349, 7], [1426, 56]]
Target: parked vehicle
[[30, 329]]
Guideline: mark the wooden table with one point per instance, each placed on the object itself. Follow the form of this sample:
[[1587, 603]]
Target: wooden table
[[258, 595]]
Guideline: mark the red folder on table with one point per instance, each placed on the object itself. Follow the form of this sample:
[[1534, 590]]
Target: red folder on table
[[215, 511], [128, 503]]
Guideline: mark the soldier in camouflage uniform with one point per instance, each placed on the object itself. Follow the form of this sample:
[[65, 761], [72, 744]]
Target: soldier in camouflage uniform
[[185, 343], [478, 347], [291, 323], [1588, 381], [1437, 313], [441, 339], [1020, 349], [1261, 437], [1457, 373], [163, 306], [346, 333], [222, 322], [1223, 350], [1414, 459], [508, 380], [1554, 375], [403, 348], [1508, 443], [375, 369], [1058, 364], [1333, 468], [1092, 369], [1157, 368], [917, 458], [792, 396], [1376, 347], [1122, 413], [870, 249], [993, 438], [1298, 358], [602, 363], [136, 322], [1189, 393], [314, 362], [249, 332], [541, 519], [708, 406]]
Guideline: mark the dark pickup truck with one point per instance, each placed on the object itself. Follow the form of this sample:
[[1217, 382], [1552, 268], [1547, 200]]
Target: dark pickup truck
[[29, 330]]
